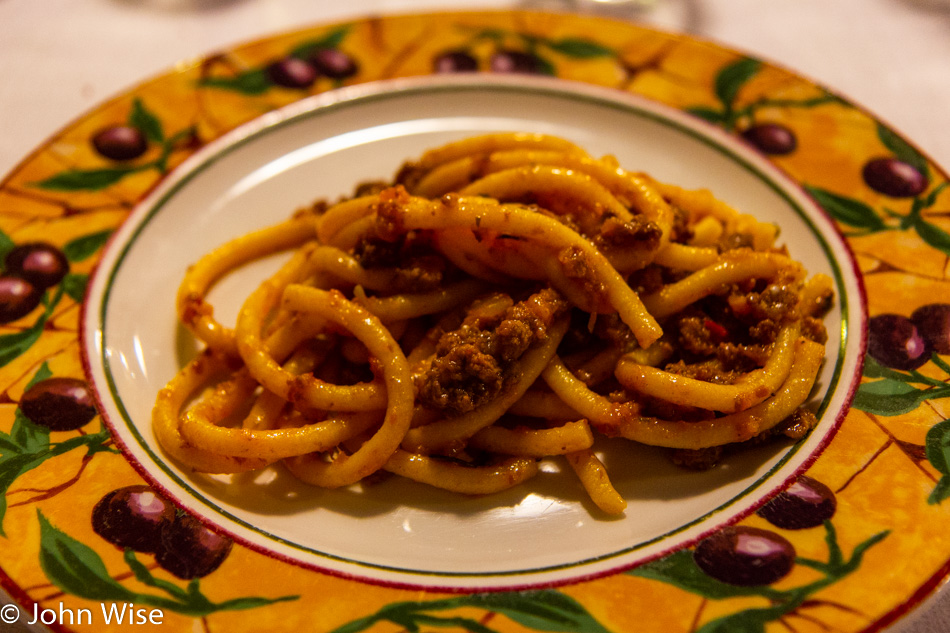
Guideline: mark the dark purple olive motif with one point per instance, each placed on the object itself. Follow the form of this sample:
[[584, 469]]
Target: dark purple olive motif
[[745, 556], [59, 403], [18, 297], [120, 142], [191, 550], [292, 72], [511, 61], [133, 517], [41, 264], [894, 341], [933, 324], [805, 504], [771, 138], [454, 62], [894, 178], [334, 63]]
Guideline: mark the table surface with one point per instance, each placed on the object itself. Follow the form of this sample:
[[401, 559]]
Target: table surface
[[59, 58]]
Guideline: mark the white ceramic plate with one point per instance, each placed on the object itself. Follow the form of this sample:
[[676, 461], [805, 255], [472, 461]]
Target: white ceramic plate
[[399, 532]]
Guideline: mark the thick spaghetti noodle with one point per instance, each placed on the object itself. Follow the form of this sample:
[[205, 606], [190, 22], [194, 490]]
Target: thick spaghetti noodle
[[505, 299]]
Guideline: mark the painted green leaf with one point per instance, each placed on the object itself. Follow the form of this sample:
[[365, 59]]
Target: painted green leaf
[[74, 285], [931, 198], [6, 245], [251, 82], [92, 442], [731, 78], [857, 554], [251, 602], [812, 102], [30, 437], [902, 149], [13, 345], [7, 445], [144, 576], [941, 491], [748, 621], [708, 114], [85, 179], [86, 246], [76, 568], [680, 570], [888, 387], [892, 397], [490, 34], [545, 610], [546, 67], [40, 375], [939, 362], [937, 445], [149, 124], [12, 465], [189, 601], [355, 626], [580, 48], [873, 369], [333, 39], [933, 235], [847, 210]]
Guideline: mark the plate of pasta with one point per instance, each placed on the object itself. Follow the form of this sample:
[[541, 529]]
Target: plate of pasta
[[496, 322], [486, 321]]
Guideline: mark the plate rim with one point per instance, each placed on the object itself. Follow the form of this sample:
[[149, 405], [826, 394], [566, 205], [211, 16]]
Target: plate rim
[[318, 104]]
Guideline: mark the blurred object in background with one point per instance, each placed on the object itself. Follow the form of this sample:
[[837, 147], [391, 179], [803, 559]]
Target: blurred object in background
[[684, 16], [934, 5]]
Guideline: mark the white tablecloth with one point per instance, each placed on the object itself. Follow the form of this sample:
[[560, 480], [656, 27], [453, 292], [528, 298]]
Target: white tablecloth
[[59, 58]]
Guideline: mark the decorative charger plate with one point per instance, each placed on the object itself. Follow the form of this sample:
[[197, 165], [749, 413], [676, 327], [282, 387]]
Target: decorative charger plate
[[136, 190]]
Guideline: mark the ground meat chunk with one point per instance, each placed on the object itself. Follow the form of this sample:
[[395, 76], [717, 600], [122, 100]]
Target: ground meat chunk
[[372, 252], [418, 266], [797, 425], [743, 358], [680, 231], [567, 218], [814, 329], [709, 371], [370, 188], [821, 305], [409, 175], [765, 331], [699, 459], [420, 274], [639, 233], [733, 241], [695, 337], [647, 280], [513, 337], [579, 269], [462, 375], [776, 302], [470, 364], [610, 328], [700, 343]]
